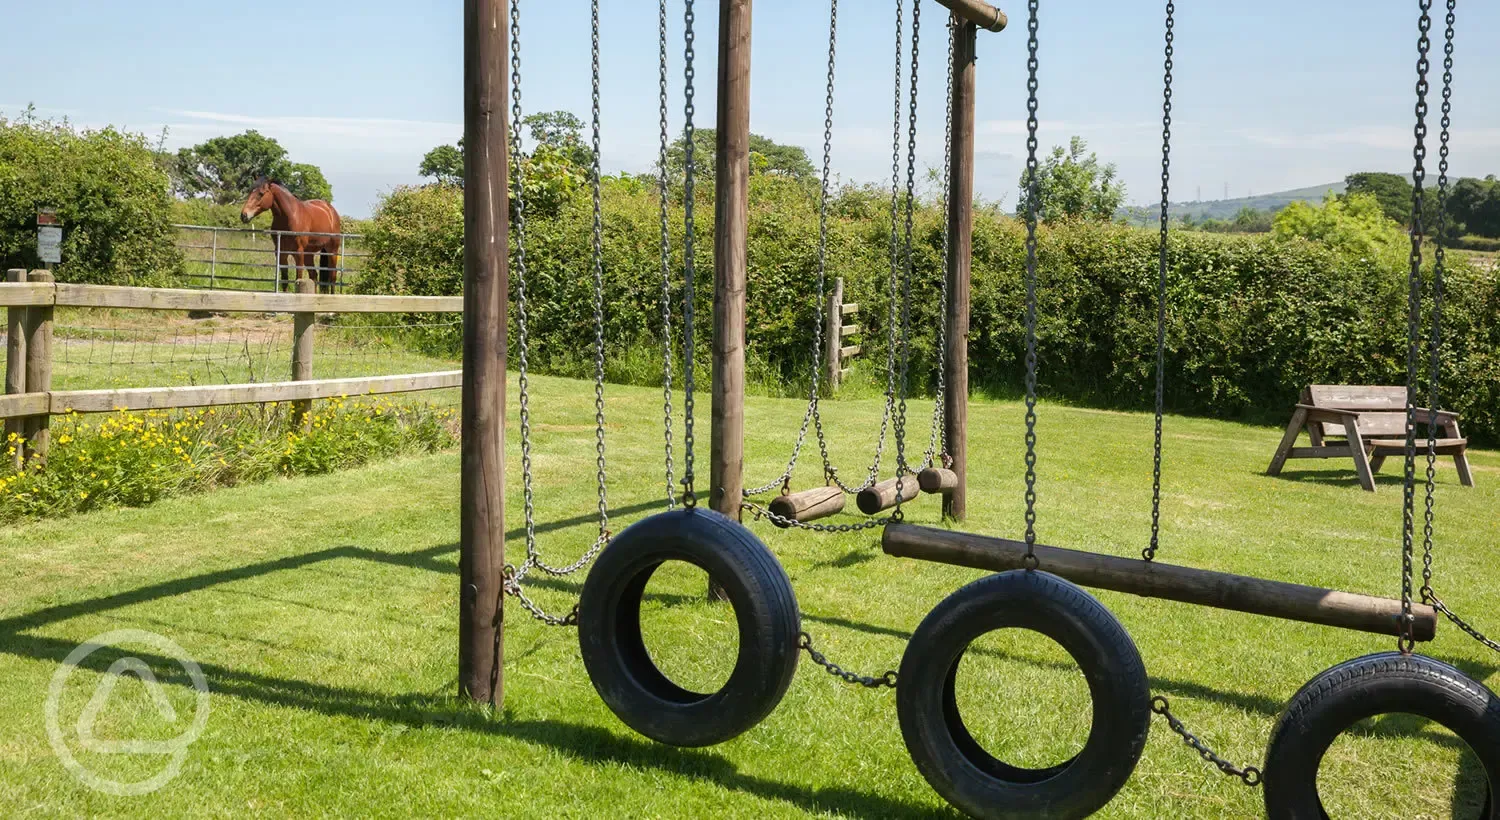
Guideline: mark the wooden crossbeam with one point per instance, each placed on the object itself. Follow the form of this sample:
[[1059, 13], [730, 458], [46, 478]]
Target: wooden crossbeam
[[1221, 590]]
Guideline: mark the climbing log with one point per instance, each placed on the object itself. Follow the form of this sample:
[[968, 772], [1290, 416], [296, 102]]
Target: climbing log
[[808, 505], [1221, 590], [937, 480], [882, 496]]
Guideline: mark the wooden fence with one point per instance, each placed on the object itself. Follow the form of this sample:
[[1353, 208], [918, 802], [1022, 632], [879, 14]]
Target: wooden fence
[[31, 299]]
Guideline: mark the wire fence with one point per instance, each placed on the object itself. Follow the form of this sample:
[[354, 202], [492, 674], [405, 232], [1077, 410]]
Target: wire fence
[[99, 349], [248, 258]]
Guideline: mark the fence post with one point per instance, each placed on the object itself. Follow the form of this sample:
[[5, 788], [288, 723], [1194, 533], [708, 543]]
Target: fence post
[[302, 352], [213, 260], [39, 370], [15, 364], [834, 334]]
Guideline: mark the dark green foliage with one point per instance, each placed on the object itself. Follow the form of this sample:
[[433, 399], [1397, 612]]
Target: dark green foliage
[[110, 194], [1248, 220], [445, 164], [1253, 318], [224, 169], [766, 157], [1392, 191], [1474, 206], [1072, 184]]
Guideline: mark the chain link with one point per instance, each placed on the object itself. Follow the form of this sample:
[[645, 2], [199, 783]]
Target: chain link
[[1250, 774], [764, 512], [1149, 553], [514, 576], [1407, 641], [690, 162], [1436, 341], [804, 642], [1033, 194], [902, 470], [937, 441], [663, 193]]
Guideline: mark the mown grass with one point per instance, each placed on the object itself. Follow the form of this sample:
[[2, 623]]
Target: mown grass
[[323, 613]]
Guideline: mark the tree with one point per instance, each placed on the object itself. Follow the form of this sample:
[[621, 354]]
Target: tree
[[563, 133], [224, 169], [1474, 206], [1353, 224], [1392, 191], [766, 157], [1072, 185], [445, 164]]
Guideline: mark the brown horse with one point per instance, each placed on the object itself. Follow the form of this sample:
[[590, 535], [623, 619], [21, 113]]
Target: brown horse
[[313, 255]]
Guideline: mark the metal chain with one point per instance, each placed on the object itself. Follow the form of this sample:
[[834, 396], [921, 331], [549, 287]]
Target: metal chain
[[663, 191], [514, 576], [804, 642], [1032, 195], [1407, 641], [1436, 341], [902, 469], [764, 512], [784, 480], [937, 442], [1149, 553], [689, 496], [598, 264], [1249, 774]]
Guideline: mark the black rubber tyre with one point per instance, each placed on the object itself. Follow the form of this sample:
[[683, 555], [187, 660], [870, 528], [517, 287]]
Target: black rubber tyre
[[1380, 684], [957, 766], [609, 628]]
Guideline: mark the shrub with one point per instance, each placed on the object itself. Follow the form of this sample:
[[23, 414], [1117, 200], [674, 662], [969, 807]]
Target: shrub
[[134, 459], [1252, 318], [1483, 244], [110, 195]]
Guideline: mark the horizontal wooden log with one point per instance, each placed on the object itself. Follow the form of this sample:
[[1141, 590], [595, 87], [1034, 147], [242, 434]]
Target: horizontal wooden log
[[230, 301], [848, 330], [849, 308], [851, 350], [16, 405], [937, 480], [808, 505], [1333, 451], [979, 13], [163, 398], [882, 496], [1221, 590], [26, 294]]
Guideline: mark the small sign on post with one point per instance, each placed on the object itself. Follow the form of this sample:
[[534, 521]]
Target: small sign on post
[[49, 236]]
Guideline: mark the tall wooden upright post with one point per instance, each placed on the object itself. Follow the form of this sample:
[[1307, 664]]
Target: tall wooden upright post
[[38, 370], [15, 367], [486, 285], [960, 246], [731, 215], [303, 325]]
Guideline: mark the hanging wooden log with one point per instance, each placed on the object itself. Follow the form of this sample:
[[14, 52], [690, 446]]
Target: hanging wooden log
[[808, 505], [1222, 590], [882, 496], [937, 480]]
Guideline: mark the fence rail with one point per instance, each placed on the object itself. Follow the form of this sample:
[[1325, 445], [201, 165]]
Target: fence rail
[[220, 261], [29, 400]]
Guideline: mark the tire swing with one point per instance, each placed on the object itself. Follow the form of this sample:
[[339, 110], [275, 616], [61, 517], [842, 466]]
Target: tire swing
[[1400, 681], [940, 744], [765, 608]]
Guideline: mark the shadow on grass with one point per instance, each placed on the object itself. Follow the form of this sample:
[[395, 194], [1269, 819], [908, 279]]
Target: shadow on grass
[[1335, 478]]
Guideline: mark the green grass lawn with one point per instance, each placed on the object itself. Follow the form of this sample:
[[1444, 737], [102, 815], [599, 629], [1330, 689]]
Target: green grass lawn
[[323, 614]]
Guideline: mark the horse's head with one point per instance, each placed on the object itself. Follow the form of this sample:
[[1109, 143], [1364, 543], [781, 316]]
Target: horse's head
[[260, 200]]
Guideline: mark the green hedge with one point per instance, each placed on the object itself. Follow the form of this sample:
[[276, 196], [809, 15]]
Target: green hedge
[[110, 196], [1252, 318]]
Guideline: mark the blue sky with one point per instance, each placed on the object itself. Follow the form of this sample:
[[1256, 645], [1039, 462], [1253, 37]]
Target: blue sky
[[1269, 95]]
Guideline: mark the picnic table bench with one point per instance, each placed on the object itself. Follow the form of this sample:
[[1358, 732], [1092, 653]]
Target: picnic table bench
[[1369, 425]]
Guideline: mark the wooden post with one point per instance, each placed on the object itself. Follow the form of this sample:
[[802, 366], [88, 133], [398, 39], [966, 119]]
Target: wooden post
[[882, 496], [39, 370], [15, 366], [1153, 579], [808, 505], [486, 285], [731, 234], [834, 334], [960, 252], [302, 352], [213, 260]]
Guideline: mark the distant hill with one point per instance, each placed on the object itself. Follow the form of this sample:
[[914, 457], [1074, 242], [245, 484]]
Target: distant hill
[[1227, 208]]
